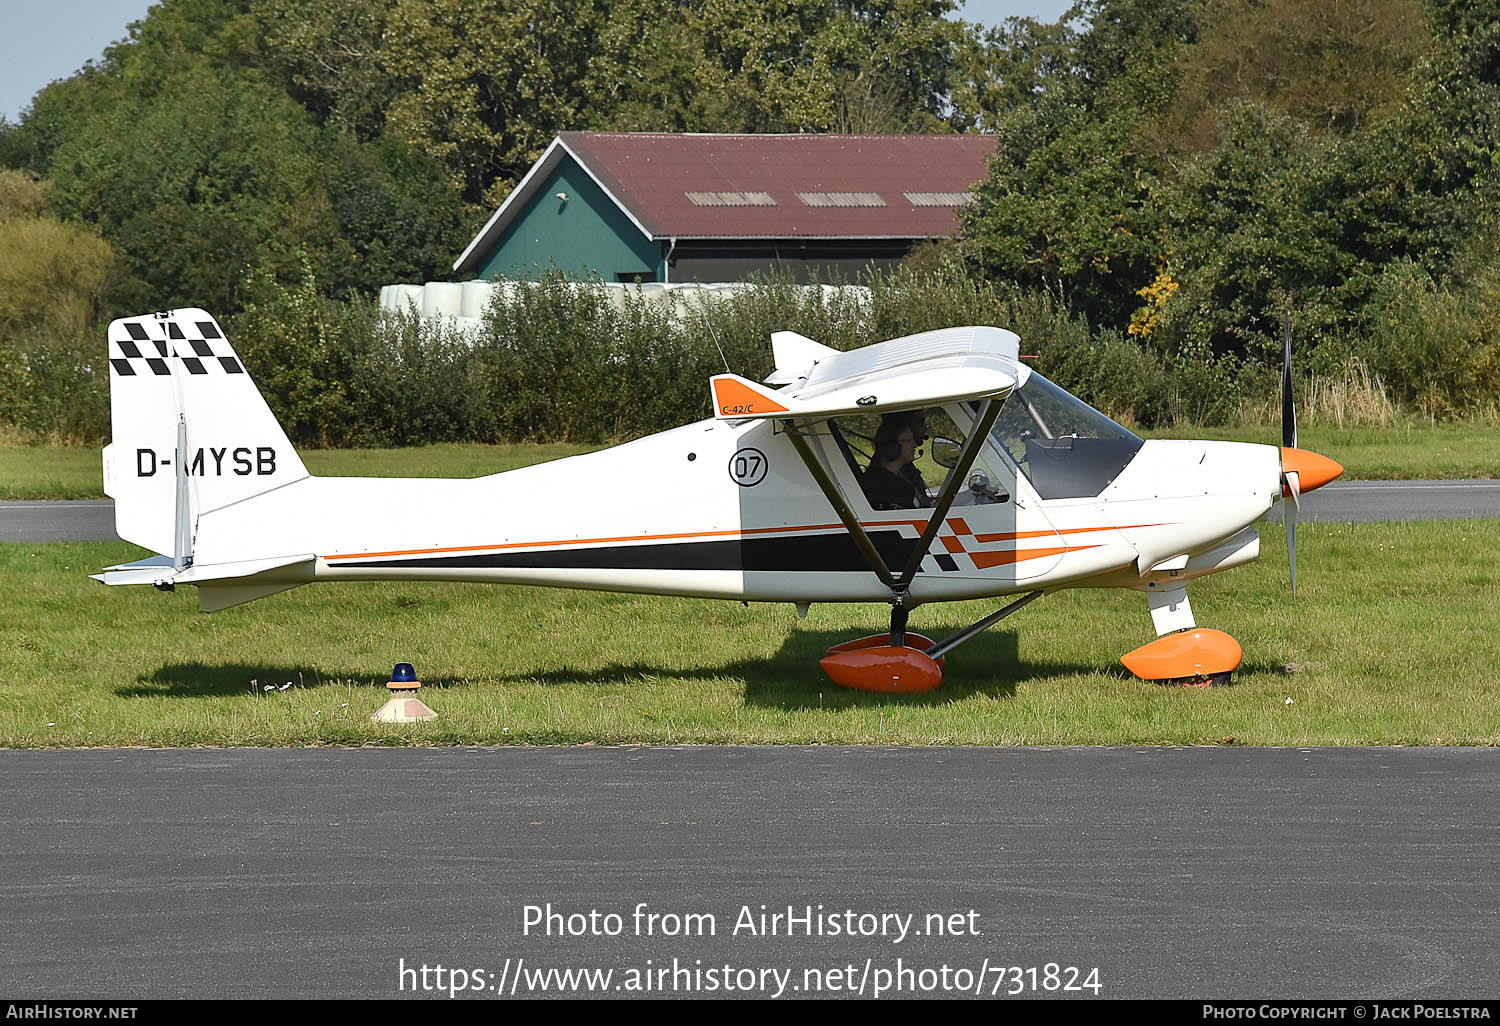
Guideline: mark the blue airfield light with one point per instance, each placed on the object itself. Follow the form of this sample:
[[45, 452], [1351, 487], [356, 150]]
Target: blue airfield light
[[403, 706]]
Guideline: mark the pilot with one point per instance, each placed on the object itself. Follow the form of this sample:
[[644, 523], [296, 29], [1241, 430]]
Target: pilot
[[892, 480]]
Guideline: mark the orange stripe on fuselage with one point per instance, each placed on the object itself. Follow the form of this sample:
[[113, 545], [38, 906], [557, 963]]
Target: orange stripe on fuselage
[[1017, 535], [986, 560], [917, 525]]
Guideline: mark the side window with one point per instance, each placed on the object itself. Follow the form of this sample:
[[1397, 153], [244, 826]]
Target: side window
[[987, 481], [902, 460]]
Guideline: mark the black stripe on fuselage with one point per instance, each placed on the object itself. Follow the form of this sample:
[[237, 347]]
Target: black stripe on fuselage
[[823, 553]]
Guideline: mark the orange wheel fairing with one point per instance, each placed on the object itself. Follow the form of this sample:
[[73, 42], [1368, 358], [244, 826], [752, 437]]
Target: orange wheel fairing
[[884, 668], [1200, 652]]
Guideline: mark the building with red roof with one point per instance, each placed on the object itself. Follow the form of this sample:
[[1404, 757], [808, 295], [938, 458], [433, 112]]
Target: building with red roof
[[680, 208]]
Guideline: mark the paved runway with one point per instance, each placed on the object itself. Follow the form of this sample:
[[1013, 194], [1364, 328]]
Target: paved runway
[[82, 520], [1247, 873], [94, 520], [1400, 500]]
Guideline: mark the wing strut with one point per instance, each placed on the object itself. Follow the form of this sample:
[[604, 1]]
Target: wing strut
[[950, 643], [983, 421]]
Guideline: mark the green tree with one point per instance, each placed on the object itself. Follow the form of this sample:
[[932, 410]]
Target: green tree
[[1461, 18], [1251, 226], [205, 177], [1066, 207], [1280, 210], [53, 279], [184, 148], [1333, 65], [54, 116], [485, 88], [1067, 204], [53, 276], [1019, 64], [328, 53]]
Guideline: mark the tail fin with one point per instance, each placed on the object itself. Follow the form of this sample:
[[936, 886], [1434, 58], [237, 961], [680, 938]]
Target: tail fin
[[191, 433]]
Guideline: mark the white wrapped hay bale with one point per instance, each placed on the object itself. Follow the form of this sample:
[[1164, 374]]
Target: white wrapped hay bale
[[617, 292], [401, 298], [476, 298], [442, 299]]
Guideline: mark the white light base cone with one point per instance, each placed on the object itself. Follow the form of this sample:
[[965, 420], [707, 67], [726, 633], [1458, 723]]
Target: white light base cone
[[404, 707]]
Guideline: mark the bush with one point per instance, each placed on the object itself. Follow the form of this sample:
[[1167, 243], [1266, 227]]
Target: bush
[[56, 385], [300, 349], [1437, 349], [53, 278], [564, 362]]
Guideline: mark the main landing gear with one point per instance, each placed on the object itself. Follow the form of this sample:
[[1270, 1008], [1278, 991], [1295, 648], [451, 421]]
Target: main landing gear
[[1185, 654], [902, 661], [899, 661]]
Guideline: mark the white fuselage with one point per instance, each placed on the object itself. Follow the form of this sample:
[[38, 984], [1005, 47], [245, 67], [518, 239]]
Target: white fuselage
[[692, 511]]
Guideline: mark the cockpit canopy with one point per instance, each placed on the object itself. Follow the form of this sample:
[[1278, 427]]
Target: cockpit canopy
[[1065, 447]]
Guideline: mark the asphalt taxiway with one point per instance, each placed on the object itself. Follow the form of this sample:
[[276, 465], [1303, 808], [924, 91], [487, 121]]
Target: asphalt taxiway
[[1223, 872]]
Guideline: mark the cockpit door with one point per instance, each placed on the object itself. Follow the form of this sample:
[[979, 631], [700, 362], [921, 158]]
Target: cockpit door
[[995, 530]]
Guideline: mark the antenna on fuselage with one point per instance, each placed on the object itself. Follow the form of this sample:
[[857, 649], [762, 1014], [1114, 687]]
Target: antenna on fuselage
[[709, 325]]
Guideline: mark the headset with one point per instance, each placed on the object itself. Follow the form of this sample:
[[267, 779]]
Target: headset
[[894, 424]]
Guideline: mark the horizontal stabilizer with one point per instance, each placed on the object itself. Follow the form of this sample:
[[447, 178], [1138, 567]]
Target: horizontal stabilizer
[[127, 574], [140, 564], [221, 584]]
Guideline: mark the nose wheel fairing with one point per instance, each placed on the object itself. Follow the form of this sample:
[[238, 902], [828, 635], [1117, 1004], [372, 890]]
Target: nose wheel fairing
[[1183, 653], [1195, 658]]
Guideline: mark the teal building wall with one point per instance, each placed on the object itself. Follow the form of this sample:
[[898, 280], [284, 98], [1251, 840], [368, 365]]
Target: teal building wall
[[585, 236]]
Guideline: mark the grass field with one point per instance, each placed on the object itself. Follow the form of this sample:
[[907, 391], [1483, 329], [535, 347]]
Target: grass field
[[1414, 450], [1394, 638]]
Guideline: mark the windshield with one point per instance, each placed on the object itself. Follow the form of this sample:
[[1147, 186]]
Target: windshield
[[1066, 447]]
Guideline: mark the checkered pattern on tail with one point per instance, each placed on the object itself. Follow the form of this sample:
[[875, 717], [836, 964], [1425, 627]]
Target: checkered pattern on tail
[[176, 371], [145, 345]]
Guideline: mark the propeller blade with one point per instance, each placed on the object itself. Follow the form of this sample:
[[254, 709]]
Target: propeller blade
[[1289, 512], [1288, 408], [1291, 484]]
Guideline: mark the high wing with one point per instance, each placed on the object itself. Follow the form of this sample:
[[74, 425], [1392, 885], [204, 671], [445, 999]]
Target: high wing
[[929, 369]]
